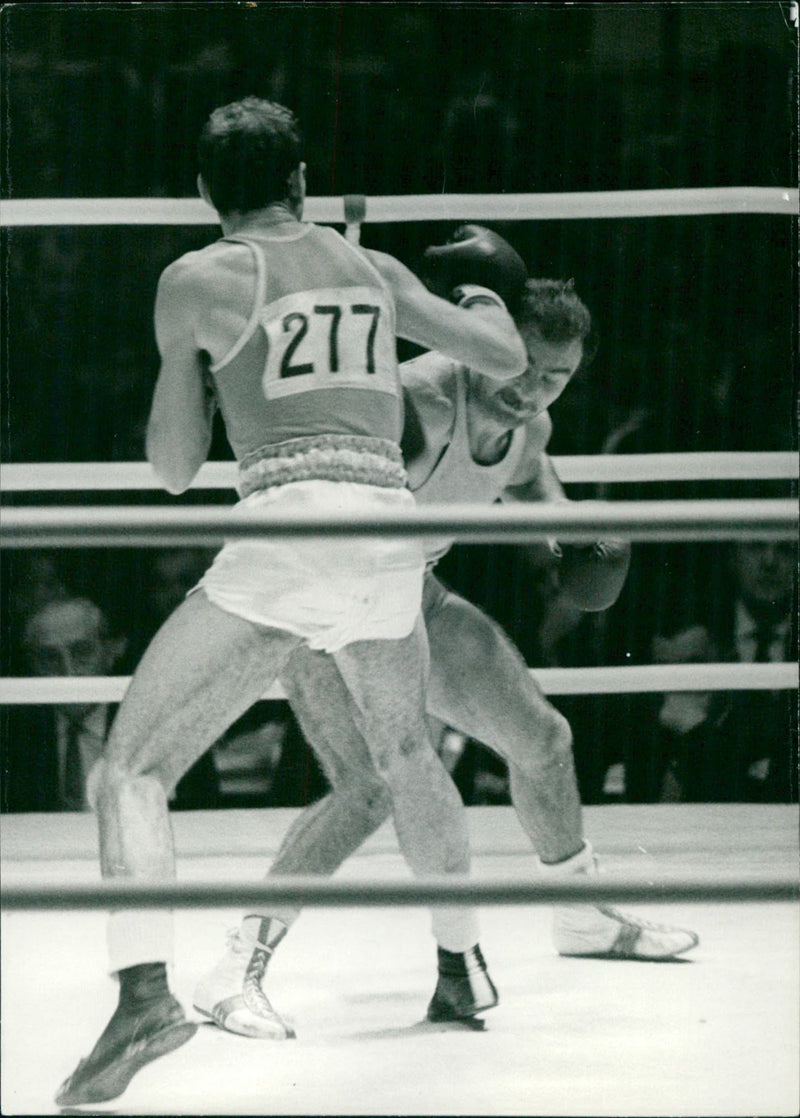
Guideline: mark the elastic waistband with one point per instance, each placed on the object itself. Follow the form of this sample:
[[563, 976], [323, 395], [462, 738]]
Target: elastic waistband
[[358, 458]]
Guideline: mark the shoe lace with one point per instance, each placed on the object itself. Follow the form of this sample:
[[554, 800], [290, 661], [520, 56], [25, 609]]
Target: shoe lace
[[259, 956], [253, 977]]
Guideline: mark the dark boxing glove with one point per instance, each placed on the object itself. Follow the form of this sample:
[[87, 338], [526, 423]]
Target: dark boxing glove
[[475, 255], [592, 576]]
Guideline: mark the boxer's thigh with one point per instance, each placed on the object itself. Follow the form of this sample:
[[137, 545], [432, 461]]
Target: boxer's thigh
[[202, 670]]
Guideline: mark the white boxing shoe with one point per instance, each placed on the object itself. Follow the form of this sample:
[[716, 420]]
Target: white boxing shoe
[[232, 994], [603, 932]]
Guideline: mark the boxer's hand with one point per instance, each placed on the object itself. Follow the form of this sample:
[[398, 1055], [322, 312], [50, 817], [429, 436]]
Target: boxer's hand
[[592, 576], [475, 256]]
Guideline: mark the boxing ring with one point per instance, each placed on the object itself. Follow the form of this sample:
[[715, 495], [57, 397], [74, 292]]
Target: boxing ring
[[713, 1034]]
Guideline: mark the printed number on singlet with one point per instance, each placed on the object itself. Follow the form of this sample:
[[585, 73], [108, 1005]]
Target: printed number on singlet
[[297, 325], [327, 341]]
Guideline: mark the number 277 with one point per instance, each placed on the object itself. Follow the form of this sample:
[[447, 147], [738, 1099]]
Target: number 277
[[334, 313]]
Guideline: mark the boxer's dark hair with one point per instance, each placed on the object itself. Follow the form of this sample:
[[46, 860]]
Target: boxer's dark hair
[[558, 313], [246, 153]]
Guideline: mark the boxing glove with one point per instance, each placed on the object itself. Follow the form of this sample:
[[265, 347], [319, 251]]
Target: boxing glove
[[476, 256], [592, 576]]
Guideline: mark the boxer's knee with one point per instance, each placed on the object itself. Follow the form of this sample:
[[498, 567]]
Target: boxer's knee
[[558, 738], [402, 760], [555, 728], [549, 745], [375, 803], [111, 784]]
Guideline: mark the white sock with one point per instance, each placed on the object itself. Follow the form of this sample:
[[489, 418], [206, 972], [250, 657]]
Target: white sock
[[582, 862], [140, 935], [454, 928]]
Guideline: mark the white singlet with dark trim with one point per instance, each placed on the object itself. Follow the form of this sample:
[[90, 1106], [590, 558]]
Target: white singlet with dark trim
[[457, 477], [311, 399]]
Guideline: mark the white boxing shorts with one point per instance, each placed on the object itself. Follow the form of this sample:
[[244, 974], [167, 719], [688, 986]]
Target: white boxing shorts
[[331, 592]]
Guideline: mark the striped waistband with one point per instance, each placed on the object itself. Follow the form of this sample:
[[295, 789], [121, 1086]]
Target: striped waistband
[[357, 458]]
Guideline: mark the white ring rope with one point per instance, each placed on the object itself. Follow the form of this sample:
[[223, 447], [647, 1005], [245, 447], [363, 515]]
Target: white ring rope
[[576, 521], [45, 477], [636, 679], [451, 890], [635, 520], [419, 207]]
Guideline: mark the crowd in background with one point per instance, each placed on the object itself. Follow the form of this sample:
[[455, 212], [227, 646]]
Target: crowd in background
[[696, 746], [696, 320]]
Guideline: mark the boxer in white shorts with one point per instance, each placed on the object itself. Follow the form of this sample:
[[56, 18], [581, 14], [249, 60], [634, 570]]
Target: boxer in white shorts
[[290, 330]]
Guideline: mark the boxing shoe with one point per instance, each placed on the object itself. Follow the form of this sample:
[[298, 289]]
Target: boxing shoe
[[603, 932], [134, 1037], [463, 988], [232, 994]]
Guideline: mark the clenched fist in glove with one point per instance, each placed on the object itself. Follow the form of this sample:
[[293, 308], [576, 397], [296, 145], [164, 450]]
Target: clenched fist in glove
[[592, 576], [475, 255]]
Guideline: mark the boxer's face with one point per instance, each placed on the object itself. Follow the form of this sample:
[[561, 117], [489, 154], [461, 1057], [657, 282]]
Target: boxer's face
[[551, 366]]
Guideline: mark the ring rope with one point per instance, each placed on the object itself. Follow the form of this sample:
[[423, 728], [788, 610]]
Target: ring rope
[[418, 207], [623, 680], [41, 477], [578, 521], [670, 518], [450, 890]]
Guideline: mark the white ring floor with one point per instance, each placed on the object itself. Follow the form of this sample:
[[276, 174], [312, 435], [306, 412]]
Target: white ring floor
[[716, 1034]]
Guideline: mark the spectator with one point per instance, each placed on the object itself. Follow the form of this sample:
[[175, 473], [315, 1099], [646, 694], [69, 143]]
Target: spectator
[[49, 749], [741, 745], [174, 572], [166, 577], [28, 580]]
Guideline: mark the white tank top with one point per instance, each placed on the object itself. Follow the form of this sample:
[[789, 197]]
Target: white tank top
[[457, 477]]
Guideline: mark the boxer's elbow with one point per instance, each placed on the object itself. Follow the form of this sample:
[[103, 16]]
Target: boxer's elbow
[[505, 356], [173, 469]]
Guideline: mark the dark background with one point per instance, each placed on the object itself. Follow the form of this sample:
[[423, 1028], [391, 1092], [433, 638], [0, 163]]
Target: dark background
[[697, 315], [107, 100]]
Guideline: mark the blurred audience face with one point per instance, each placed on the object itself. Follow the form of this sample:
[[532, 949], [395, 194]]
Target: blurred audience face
[[37, 580], [174, 574], [70, 638], [765, 572]]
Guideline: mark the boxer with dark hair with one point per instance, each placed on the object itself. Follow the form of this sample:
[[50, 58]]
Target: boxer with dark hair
[[291, 331]]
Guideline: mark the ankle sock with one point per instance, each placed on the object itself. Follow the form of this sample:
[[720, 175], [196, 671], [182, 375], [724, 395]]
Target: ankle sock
[[582, 862]]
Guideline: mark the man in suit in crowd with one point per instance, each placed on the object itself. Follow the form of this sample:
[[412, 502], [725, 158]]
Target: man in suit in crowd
[[738, 745], [49, 749]]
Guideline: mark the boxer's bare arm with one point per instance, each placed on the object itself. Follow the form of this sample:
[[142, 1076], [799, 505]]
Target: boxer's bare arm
[[535, 479], [179, 428], [543, 486], [487, 342]]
